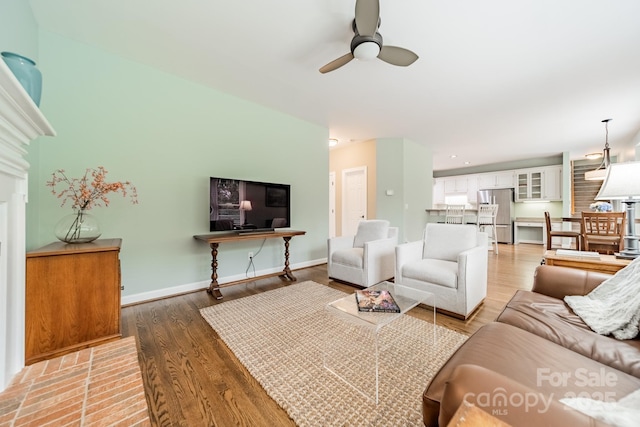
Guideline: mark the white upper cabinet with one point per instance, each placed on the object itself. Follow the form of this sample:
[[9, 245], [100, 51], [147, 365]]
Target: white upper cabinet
[[503, 179], [529, 184], [455, 184], [552, 183], [539, 184], [543, 184]]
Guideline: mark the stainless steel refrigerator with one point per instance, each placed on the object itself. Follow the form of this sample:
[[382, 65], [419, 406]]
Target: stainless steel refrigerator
[[504, 220]]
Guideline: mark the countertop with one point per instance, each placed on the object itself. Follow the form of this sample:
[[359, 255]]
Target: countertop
[[535, 219], [469, 210]]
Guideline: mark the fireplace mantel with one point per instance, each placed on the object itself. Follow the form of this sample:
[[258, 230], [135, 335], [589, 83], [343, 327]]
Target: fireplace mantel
[[20, 123]]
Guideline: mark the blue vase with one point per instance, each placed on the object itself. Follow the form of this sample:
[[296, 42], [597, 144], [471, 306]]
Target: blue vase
[[27, 74]]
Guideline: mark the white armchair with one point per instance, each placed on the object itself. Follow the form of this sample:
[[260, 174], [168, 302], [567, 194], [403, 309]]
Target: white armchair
[[450, 262], [366, 258]]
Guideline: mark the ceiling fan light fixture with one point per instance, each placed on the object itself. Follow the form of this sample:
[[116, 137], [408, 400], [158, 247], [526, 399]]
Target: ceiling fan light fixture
[[366, 51]]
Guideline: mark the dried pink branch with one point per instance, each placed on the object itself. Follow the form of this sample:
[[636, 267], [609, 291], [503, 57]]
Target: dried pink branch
[[90, 190]]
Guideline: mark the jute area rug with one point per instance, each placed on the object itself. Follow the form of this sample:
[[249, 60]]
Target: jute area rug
[[284, 336]]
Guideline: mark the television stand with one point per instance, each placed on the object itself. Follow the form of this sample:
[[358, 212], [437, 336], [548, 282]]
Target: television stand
[[214, 240]]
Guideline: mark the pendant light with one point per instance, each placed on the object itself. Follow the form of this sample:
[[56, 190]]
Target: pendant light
[[600, 173]]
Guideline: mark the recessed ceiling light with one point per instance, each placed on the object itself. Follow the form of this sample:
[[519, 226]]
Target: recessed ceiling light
[[333, 142], [592, 156], [467, 163], [453, 156]]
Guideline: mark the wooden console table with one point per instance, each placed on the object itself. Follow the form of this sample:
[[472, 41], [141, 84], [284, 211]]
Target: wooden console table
[[604, 264], [214, 240]]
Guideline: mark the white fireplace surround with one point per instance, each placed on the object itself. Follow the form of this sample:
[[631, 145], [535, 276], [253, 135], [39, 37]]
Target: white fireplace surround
[[20, 123]]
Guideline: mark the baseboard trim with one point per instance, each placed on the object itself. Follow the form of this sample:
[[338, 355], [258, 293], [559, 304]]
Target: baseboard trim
[[197, 286]]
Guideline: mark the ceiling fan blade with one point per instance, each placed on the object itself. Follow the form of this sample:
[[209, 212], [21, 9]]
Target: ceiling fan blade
[[397, 56], [337, 63], [367, 16]]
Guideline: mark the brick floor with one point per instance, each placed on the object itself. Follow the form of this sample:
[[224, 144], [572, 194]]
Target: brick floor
[[98, 386]]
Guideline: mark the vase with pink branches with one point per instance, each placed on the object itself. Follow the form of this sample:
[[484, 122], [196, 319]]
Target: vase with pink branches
[[83, 194]]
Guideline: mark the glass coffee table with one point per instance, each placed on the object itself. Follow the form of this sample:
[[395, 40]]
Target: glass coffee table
[[366, 326]]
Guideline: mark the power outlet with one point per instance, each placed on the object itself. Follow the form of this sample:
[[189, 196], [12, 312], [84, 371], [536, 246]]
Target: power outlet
[[250, 256]]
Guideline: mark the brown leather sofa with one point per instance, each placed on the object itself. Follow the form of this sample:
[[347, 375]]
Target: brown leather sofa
[[535, 353]]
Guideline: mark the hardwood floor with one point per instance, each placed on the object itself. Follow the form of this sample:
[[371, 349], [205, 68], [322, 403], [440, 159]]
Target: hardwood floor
[[192, 379]]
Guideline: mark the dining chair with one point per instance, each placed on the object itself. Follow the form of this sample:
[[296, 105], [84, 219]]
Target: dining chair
[[603, 231], [487, 214], [561, 233], [454, 214]]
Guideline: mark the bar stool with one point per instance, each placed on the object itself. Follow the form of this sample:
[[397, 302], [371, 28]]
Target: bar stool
[[487, 218], [454, 214], [561, 233]]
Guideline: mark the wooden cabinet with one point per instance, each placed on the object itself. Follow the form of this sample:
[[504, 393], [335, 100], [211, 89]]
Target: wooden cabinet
[[72, 297]]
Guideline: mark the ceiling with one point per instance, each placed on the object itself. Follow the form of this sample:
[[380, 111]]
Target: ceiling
[[496, 81]]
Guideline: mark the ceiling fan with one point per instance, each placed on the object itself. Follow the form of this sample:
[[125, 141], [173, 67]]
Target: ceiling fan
[[367, 41]]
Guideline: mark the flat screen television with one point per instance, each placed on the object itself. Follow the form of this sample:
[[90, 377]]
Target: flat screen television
[[248, 205]]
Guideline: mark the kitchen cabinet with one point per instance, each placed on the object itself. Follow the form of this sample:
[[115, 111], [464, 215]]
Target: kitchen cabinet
[[455, 184], [465, 184], [72, 298], [552, 186], [539, 184], [529, 184], [503, 179]]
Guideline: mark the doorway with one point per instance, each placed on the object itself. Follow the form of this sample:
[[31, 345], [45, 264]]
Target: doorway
[[354, 199]]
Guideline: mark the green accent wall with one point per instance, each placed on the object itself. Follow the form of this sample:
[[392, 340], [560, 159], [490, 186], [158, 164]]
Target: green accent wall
[[18, 29], [404, 167], [167, 136], [390, 167], [418, 181]]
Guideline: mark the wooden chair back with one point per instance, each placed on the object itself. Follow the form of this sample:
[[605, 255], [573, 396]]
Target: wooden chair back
[[603, 231]]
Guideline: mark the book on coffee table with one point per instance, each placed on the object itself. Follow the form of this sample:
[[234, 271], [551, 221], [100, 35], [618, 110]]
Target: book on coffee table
[[376, 301]]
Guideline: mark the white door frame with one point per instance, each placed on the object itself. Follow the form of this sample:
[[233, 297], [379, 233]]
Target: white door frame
[[332, 204]]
